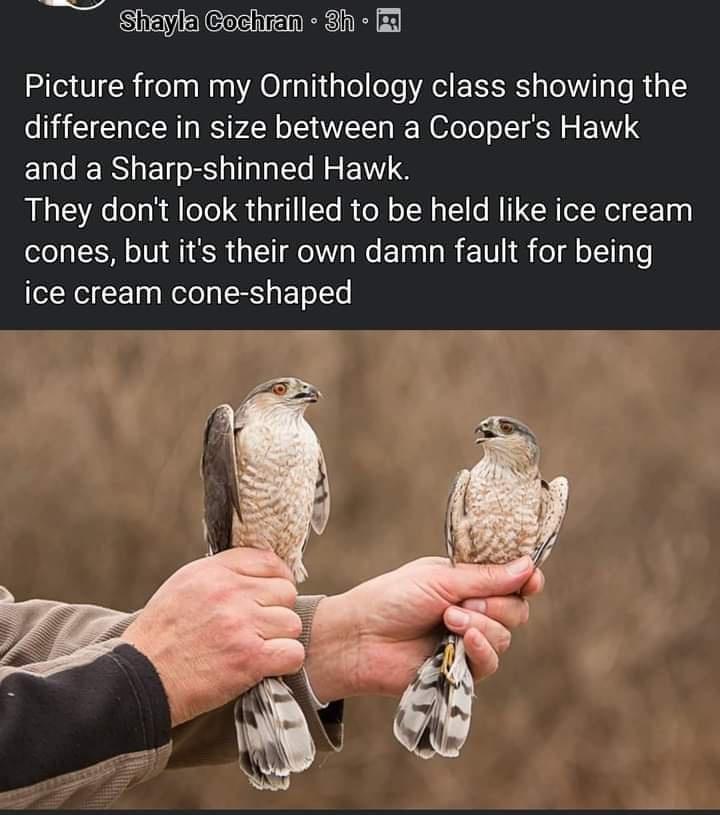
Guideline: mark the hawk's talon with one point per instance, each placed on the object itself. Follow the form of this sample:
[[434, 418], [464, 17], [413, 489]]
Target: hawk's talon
[[447, 661]]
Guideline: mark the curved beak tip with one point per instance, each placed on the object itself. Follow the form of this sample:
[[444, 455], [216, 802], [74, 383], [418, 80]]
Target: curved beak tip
[[483, 433]]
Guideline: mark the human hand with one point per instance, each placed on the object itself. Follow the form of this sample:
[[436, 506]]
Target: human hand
[[373, 638], [219, 626]]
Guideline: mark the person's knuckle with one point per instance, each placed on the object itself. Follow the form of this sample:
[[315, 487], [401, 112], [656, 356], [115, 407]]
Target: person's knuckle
[[273, 565], [485, 658], [287, 593], [239, 612], [247, 646], [489, 659], [236, 556], [504, 640], [487, 573], [263, 560], [253, 668], [477, 621], [242, 639], [267, 558], [294, 625], [249, 559], [294, 656]]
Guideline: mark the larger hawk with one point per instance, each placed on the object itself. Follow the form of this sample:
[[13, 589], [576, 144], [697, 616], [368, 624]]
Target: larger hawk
[[266, 486], [496, 512]]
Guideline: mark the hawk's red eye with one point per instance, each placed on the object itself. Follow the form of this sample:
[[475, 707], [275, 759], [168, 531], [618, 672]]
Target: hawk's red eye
[[506, 428], [280, 389]]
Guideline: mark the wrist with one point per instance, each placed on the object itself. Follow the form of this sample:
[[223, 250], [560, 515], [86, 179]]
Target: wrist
[[331, 655], [172, 692]]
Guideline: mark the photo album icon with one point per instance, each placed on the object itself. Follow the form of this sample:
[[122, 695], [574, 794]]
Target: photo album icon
[[78, 5], [389, 20]]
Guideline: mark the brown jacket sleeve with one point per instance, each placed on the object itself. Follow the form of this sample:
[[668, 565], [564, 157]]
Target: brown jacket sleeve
[[83, 715]]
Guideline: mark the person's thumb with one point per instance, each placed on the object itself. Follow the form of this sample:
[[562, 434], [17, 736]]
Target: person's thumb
[[484, 580]]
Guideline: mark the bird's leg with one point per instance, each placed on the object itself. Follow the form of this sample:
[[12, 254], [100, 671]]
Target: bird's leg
[[447, 661]]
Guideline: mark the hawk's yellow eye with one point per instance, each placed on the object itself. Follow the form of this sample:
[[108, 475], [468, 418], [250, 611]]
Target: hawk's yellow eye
[[506, 428], [280, 389]]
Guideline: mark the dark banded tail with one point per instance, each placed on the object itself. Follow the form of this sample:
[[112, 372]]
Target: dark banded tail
[[273, 736], [433, 717]]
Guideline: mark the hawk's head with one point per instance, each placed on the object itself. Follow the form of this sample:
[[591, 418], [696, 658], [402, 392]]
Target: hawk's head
[[508, 438], [287, 391]]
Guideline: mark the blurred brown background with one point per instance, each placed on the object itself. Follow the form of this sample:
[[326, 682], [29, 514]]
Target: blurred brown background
[[607, 699]]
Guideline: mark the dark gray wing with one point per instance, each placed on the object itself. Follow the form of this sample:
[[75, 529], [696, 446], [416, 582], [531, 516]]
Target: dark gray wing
[[220, 479], [455, 510], [321, 506], [554, 506]]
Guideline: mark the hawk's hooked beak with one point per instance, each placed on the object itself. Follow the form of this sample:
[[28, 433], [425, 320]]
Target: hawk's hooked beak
[[483, 432], [309, 394]]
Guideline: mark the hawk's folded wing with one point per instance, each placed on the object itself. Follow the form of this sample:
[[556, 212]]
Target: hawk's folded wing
[[321, 506], [554, 506], [220, 479], [455, 510]]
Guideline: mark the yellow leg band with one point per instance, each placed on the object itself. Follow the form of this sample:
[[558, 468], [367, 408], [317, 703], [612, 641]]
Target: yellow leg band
[[447, 662]]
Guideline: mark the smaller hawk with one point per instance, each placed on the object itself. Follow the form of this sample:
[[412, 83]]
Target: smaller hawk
[[266, 486], [496, 512]]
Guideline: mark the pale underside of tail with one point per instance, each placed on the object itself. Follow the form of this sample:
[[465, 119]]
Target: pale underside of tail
[[273, 735], [433, 717]]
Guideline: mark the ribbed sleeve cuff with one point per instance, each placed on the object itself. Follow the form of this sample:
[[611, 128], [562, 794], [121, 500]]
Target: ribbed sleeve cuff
[[326, 724]]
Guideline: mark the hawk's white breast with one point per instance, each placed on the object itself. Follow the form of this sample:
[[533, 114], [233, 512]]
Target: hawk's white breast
[[278, 467], [502, 517]]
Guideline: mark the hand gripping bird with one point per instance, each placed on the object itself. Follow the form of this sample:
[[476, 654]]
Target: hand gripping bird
[[496, 512], [266, 486]]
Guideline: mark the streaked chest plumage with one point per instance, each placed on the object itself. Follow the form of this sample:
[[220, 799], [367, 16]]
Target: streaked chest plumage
[[502, 517], [278, 469]]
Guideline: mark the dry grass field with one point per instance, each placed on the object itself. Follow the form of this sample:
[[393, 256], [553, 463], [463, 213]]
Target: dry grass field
[[609, 698]]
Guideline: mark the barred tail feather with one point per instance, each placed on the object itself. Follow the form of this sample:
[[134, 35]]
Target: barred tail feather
[[273, 736], [433, 717], [452, 723], [417, 708]]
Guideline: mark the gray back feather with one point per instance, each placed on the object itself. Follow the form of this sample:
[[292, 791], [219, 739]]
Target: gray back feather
[[555, 498], [220, 479], [321, 506]]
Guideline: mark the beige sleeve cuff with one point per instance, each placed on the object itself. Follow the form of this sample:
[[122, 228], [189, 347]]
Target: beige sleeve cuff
[[326, 724]]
